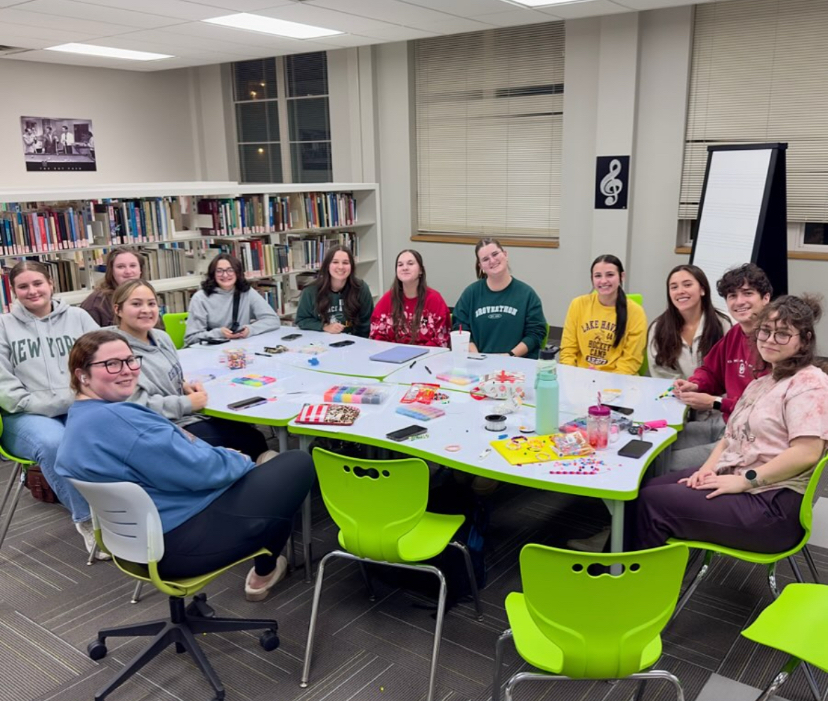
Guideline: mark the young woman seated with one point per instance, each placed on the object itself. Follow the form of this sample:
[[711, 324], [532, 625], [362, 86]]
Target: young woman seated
[[35, 339], [122, 264], [161, 385], [748, 493], [411, 312], [681, 337], [211, 312], [604, 330], [216, 505], [337, 301], [503, 314]]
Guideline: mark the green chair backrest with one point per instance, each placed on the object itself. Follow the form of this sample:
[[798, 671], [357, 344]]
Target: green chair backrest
[[806, 510], [374, 502], [602, 623], [638, 298], [175, 325]]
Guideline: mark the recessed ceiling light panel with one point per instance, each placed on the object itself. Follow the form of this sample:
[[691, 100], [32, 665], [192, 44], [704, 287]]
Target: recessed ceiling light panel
[[108, 52], [271, 25]]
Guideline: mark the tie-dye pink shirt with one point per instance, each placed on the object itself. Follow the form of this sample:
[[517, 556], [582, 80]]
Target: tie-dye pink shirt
[[768, 416]]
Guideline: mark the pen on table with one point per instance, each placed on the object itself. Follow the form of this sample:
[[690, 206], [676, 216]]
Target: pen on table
[[265, 355], [428, 370]]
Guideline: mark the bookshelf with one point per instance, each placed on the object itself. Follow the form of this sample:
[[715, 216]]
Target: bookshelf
[[279, 232]]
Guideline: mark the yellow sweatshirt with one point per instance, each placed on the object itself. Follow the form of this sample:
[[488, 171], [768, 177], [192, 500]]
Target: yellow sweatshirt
[[589, 332]]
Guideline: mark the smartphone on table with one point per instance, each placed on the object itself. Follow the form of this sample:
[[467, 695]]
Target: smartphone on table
[[341, 344], [246, 403], [291, 336], [635, 449], [407, 432]]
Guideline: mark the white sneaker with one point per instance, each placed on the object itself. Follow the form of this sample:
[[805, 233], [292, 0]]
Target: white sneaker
[[267, 455], [593, 544], [86, 530]]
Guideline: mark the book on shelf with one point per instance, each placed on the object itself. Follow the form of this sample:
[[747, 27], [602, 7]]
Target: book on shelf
[[41, 230]]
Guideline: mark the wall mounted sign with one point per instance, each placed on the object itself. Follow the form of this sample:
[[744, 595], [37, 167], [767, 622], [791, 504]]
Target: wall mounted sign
[[612, 182], [57, 143]]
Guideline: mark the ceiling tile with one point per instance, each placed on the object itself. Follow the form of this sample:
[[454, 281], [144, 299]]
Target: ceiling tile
[[457, 25], [515, 18], [82, 10], [241, 5], [175, 48], [391, 11], [171, 41], [588, 8], [656, 4], [323, 17], [52, 36], [177, 9], [347, 40], [214, 32], [68, 24], [399, 34], [463, 8]]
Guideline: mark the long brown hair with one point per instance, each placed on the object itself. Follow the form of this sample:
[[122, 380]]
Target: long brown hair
[[398, 299], [802, 314], [84, 349], [666, 329], [108, 283], [124, 291], [620, 300], [350, 292]]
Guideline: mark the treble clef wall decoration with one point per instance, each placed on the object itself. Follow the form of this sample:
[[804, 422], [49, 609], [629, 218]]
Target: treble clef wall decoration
[[611, 186]]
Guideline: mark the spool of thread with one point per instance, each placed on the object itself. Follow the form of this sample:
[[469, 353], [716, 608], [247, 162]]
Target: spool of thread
[[495, 422]]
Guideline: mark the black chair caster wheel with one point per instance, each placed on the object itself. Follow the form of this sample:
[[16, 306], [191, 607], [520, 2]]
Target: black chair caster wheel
[[96, 650], [199, 607], [269, 640]]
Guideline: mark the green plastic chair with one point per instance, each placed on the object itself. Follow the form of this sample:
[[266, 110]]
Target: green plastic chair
[[576, 621], [176, 325], [770, 560], [380, 508], [14, 486], [796, 623], [128, 527], [644, 370]]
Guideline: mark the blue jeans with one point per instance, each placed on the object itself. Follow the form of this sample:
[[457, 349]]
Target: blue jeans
[[37, 438]]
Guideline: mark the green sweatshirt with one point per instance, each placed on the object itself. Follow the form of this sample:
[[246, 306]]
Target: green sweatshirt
[[498, 321], [308, 319]]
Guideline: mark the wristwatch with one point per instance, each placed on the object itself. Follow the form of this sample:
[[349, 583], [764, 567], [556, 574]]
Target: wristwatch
[[752, 477], [717, 403]]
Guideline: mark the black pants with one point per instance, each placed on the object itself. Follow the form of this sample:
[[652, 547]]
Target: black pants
[[256, 512], [245, 438]]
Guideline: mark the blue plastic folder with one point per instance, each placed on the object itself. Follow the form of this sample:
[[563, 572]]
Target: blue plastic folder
[[399, 354]]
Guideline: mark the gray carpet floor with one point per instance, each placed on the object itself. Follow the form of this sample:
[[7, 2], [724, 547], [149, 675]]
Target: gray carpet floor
[[52, 604]]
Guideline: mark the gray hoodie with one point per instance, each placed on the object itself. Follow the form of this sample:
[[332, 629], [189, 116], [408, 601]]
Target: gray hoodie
[[160, 382], [34, 358], [208, 314]]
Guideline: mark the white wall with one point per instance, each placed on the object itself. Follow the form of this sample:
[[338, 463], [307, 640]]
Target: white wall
[[147, 126]]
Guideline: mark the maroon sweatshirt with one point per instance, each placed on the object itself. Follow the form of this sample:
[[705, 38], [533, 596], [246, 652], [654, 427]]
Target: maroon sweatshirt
[[727, 369]]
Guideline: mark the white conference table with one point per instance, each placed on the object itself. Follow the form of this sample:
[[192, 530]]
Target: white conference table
[[298, 382]]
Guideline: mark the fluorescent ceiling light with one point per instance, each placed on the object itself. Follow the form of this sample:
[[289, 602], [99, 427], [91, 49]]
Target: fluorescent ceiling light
[[271, 25], [544, 3], [108, 52]]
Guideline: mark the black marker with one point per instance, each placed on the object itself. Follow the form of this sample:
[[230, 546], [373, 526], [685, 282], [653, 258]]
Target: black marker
[[264, 355], [427, 369], [412, 365]]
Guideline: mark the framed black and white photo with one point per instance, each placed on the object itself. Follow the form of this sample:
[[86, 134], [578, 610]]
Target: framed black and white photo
[[612, 182], [58, 143]]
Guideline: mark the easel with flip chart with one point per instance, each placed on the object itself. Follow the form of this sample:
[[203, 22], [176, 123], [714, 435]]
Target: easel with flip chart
[[743, 213]]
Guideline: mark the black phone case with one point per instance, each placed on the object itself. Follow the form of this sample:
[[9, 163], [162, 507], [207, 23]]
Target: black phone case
[[407, 432], [246, 403], [635, 449]]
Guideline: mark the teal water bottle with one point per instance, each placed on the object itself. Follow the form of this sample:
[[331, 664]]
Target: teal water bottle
[[547, 393]]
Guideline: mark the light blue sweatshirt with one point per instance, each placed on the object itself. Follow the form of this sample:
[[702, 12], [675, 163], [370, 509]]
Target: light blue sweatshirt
[[125, 442]]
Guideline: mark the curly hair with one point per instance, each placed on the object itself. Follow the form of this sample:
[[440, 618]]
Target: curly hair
[[801, 314], [747, 275], [209, 285]]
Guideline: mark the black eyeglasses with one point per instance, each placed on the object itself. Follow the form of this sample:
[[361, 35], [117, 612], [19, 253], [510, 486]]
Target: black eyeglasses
[[115, 365], [783, 338]]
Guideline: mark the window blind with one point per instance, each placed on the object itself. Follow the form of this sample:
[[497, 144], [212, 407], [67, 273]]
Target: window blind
[[758, 74], [489, 111]]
